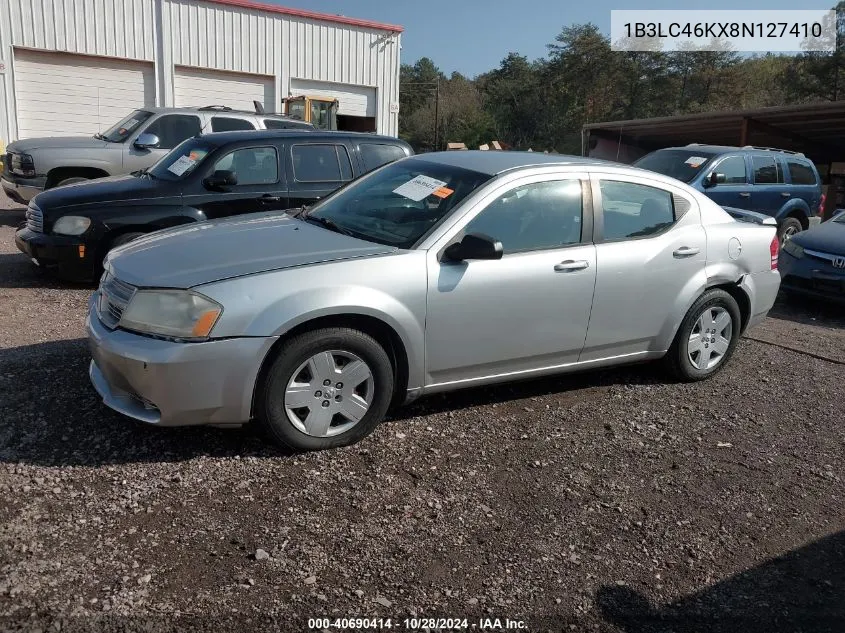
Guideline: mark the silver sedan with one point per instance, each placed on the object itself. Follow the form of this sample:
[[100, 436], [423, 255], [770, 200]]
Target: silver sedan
[[433, 273]]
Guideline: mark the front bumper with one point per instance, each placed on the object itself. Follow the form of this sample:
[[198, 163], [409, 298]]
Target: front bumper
[[22, 189], [812, 277], [174, 384], [61, 252]]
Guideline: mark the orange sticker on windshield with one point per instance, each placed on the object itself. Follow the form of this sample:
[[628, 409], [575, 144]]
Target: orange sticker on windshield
[[443, 192]]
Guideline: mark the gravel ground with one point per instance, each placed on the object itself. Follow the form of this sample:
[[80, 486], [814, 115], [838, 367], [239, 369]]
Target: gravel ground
[[610, 501]]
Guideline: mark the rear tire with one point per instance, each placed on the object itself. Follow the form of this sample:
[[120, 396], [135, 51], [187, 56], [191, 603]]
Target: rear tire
[[297, 409], [788, 227], [706, 338]]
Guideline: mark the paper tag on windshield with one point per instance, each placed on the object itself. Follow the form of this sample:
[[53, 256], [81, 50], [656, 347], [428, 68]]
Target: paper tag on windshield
[[695, 161], [419, 188], [181, 166]]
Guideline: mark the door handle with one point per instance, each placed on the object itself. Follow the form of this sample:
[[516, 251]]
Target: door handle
[[686, 251], [785, 194], [744, 194], [266, 199], [572, 264]]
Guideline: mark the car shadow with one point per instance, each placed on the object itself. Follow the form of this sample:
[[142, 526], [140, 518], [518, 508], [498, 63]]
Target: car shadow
[[807, 311], [18, 271], [53, 416], [800, 591], [12, 217]]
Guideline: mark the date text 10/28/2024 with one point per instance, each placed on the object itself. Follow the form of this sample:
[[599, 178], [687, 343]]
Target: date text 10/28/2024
[[414, 624]]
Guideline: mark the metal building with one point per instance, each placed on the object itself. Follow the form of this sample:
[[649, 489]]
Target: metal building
[[70, 67]]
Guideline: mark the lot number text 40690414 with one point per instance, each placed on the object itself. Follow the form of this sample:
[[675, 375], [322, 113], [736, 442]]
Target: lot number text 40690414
[[415, 624]]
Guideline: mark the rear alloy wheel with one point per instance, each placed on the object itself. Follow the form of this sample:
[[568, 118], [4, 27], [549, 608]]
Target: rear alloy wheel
[[325, 388], [789, 227], [706, 338]]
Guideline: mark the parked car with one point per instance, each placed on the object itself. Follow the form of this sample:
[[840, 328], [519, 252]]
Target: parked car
[[70, 229], [779, 183], [431, 273], [135, 142], [813, 263]]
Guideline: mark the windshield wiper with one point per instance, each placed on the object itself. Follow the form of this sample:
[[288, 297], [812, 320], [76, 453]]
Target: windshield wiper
[[298, 213], [329, 224], [100, 136]]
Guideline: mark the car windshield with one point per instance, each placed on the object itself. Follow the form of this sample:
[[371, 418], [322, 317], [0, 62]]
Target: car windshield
[[121, 130], [182, 160], [683, 164], [840, 218], [399, 203]]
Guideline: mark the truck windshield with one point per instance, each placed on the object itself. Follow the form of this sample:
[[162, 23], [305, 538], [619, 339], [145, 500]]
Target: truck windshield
[[121, 130], [182, 160], [684, 164], [398, 203]]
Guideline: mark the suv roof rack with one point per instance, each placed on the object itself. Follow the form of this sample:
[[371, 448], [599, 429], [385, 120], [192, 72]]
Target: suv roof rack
[[216, 107], [773, 149]]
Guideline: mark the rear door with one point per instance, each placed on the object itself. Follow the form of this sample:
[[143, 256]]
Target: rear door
[[260, 182], [736, 190], [770, 191], [314, 170]]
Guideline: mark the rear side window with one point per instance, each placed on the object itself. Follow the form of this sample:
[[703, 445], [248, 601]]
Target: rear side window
[[172, 129], [229, 124], [765, 170], [800, 173], [631, 210], [378, 154], [321, 163]]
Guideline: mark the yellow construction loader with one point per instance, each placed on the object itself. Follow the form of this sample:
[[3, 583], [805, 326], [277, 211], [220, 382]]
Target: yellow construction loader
[[321, 112]]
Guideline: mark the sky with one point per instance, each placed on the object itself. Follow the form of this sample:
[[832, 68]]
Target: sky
[[474, 36]]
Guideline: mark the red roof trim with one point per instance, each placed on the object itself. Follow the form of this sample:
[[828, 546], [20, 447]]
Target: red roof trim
[[313, 15]]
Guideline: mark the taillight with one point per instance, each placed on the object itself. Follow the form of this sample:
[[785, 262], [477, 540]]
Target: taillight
[[774, 247], [821, 205]]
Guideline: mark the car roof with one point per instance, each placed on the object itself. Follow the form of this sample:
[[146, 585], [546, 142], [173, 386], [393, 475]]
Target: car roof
[[219, 110], [722, 149], [493, 162], [310, 134]]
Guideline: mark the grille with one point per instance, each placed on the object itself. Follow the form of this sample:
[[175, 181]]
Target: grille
[[34, 218], [114, 297]]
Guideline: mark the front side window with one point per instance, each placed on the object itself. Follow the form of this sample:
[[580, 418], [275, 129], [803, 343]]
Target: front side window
[[631, 210], [800, 173], [378, 154], [765, 170], [121, 130], [398, 204], [172, 129], [733, 168], [321, 163], [228, 124], [251, 165], [533, 217], [182, 161]]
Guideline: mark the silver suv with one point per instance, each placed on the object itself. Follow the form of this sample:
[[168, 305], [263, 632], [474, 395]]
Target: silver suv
[[134, 143]]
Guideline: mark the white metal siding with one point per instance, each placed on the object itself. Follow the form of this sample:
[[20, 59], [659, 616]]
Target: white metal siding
[[352, 100], [201, 87], [62, 95]]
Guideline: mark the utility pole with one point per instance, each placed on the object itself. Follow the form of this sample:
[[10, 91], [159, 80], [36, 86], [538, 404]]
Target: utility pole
[[437, 116]]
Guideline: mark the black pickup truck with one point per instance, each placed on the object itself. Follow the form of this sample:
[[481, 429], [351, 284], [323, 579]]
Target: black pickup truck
[[71, 228]]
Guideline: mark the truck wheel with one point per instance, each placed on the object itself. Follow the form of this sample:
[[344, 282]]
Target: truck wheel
[[789, 227], [325, 388], [70, 181]]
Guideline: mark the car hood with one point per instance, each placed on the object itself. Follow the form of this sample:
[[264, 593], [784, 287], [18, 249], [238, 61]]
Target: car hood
[[57, 142], [828, 237], [102, 190], [206, 252]]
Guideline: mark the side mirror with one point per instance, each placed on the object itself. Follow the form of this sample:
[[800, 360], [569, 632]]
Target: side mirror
[[474, 246], [147, 141], [714, 178], [221, 178]]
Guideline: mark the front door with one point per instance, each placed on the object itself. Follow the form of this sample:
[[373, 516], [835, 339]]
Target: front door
[[171, 129], [259, 187], [528, 310], [650, 255], [735, 191]]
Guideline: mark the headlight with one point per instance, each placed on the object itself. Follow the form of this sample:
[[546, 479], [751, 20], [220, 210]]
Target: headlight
[[22, 164], [793, 249], [175, 313], [71, 225]]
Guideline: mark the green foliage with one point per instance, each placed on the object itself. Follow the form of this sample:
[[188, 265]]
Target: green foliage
[[542, 104]]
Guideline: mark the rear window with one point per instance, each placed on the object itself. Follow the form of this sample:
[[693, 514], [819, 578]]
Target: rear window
[[281, 124], [684, 164], [321, 163], [800, 173], [766, 170], [378, 154], [229, 124]]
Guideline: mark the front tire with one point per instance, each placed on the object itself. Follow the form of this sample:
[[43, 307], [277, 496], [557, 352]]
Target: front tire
[[324, 389], [70, 181], [706, 338]]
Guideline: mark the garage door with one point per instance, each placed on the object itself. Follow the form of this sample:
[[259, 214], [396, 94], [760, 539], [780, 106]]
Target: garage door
[[202, 87], [57, 94], [352, 100]]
